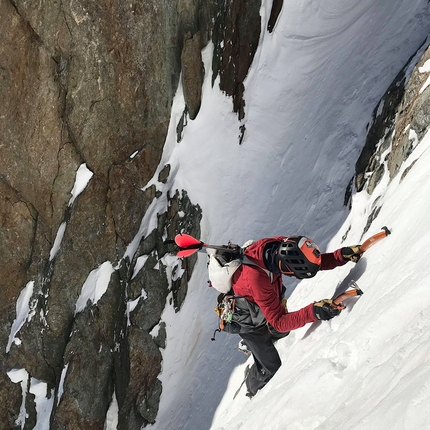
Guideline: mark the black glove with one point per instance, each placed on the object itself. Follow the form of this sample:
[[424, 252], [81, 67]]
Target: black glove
[[351, 253], [326, 310]]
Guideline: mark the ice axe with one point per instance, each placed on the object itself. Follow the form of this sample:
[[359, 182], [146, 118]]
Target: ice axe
[[374, 239], [356, 291]]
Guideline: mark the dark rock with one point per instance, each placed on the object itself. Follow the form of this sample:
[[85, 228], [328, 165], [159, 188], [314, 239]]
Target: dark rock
[[242, 130], [192, 72], [18, 220], [160, 339], [236, 36], [383, 121], [274, 13], [182, 123], [373, 215], [153, 283], [148, 405], [164, 174], [10, 399], [145, 365], [348, 194], [403, 108], [407, 170], [413, 115]]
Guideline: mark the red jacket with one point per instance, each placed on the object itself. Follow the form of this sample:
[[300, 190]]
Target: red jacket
[[255, 285]]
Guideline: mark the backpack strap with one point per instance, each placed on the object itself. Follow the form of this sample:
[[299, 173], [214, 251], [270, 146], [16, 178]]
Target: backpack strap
[[248, 262]]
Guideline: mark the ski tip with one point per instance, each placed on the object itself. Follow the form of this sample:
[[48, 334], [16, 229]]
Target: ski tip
[[186, 252], [184, 240]]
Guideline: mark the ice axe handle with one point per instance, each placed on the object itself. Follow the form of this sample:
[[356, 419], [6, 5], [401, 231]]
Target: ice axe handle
[[375, 238], [350, 293]]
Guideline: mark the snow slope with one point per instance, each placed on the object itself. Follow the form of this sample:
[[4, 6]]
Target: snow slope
[[309, 97]]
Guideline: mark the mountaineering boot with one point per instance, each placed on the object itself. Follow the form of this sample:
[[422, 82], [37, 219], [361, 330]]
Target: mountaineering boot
[[243, 348]]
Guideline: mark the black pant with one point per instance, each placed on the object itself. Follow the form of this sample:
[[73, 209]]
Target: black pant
[[266, 358]]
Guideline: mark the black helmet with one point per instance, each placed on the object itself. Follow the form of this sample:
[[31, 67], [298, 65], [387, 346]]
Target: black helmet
[[298, 256]]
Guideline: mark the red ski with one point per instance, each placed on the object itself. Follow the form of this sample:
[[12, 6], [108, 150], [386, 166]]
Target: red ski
[[189, 245]]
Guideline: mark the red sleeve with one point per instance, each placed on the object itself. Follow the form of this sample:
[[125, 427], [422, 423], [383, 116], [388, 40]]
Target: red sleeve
[[267, 296], [330, 260], [294, 320]]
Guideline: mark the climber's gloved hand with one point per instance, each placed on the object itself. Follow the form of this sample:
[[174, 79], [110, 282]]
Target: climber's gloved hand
[[351, 253], [325, 310]]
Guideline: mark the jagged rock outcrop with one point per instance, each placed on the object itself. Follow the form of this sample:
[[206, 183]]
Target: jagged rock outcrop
[[89, 85], [413, 116], [236, 40], [192, 72], [400, 121]]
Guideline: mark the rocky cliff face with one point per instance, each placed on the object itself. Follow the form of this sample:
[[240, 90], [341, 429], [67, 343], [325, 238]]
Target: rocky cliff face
[[399, 122], [89, 85]]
